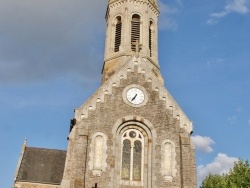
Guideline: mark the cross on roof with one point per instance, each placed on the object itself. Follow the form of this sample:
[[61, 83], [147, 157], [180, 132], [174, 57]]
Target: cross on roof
[[95, 186], [137, 47]]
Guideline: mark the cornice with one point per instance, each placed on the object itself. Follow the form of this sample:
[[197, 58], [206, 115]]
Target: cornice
[[151, 5]]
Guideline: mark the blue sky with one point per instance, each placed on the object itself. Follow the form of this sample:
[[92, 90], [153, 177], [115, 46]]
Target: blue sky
[[51, 55]]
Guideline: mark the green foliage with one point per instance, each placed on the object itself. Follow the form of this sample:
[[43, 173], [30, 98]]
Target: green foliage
[[214, 181], [238, 177]]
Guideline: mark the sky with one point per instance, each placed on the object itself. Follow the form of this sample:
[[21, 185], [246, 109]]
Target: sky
[[51, 56]]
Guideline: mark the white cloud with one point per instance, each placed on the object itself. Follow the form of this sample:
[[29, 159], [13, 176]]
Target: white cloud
[[239, 109], [166, 9], [249, 121], [166, 22], [237, 6], [203, 143], [44, 39], [179, 2], [221, 164], [232, 119], [212, 21], [219, 14], [215, 63]]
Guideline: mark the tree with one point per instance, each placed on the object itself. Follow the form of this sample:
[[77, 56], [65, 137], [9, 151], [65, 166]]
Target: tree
[[238, 177], [214, 181]]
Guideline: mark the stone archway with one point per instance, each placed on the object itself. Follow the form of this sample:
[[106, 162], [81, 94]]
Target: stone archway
[[145, 129]]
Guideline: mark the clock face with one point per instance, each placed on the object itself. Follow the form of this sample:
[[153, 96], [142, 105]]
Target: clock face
[[135, 95]]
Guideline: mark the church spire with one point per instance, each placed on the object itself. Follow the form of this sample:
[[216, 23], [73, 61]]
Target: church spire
[[128, 22]]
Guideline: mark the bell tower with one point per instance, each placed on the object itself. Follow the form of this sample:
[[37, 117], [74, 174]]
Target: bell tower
[[129, 22], [130, 133]]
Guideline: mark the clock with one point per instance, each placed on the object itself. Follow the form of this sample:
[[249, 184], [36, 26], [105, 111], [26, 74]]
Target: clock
[[135, 95]]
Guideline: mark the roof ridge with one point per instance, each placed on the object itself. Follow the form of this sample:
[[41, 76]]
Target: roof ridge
[[45, 148]]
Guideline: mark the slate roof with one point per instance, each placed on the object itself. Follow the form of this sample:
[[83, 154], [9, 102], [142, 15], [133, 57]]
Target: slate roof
[[42, 165]]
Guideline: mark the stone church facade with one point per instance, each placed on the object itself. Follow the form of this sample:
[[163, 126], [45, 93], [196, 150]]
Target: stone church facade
[[130, 133]]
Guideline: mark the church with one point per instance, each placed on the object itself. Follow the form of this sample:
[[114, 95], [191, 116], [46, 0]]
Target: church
[[130, 133]]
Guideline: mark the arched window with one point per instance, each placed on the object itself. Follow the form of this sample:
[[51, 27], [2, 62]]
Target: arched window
[[98, 155], [150, 38], [168, 161], [167, 157], [118, 32], [135, 30], [132, 156]]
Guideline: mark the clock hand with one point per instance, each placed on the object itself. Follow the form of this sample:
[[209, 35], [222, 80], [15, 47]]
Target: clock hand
[[134, 97]]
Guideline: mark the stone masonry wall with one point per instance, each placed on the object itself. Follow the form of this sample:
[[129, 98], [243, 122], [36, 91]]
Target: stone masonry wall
[[103, 118]]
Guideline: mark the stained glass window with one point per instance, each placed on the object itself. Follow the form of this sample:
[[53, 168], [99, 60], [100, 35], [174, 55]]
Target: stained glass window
[[126, 157], [137, 155], [132, 152], [132, 134]]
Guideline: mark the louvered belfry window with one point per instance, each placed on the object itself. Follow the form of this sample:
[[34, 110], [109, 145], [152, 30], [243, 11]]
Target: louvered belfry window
[[135, 31], [150, 37], [118, 32]]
